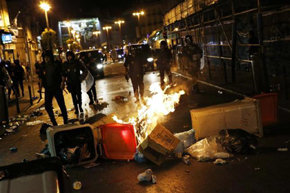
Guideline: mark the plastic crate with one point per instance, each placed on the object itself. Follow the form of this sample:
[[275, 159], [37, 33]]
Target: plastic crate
[[119, 141], [69, 137], [269, 107]]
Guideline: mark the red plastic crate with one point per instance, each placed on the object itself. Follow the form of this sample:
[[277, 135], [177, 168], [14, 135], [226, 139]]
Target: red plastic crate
[[119, 141], [269, 107]]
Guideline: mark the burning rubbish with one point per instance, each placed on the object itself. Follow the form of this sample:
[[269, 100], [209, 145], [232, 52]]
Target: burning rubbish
[[157, 106]]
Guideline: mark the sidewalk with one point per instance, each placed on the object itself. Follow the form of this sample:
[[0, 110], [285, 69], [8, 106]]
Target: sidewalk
[[24, 102]]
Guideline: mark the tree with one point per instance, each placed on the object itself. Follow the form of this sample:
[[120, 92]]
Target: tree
[[48, 39], [73, 45]]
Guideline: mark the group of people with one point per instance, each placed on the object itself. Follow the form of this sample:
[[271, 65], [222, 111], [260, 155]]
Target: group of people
[[12, 76], [55, 76], [135, 61]]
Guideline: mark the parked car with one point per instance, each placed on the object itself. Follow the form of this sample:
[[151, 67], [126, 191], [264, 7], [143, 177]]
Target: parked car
[[147, 53], [120, 54], [99, 61]]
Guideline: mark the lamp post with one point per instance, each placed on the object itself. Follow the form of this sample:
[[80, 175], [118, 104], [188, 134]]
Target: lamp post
[[138, 14], [120, 22], [46, 7], [97, 33], [107, 28]]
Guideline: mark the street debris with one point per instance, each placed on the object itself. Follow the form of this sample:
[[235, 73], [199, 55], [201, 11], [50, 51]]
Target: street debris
[[147, 176], [219, 162], [282, 149], [186, 159], [207, 149], [186, 139], [77, 185], [158, 145], [13, 149], [32, 123], [244, 114], [257, 169], [237, 141], [139, 157]]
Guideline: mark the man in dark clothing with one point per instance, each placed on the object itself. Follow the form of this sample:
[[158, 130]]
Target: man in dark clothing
[[134, 64], [19, 75], [53, 80], [163, 63], [192, 54], [75, 72]]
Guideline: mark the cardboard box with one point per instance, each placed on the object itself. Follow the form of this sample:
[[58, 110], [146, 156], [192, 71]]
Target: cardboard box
[[158, 145], [244, 114]]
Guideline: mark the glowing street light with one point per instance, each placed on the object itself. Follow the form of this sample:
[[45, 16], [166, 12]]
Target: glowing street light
[[138, 14], [46, 7], [107, 28], [120, 22]]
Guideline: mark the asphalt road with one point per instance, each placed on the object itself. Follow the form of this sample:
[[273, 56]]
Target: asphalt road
[[265, 171]]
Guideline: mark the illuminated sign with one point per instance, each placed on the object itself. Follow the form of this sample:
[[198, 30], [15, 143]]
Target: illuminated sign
[[6, 38]]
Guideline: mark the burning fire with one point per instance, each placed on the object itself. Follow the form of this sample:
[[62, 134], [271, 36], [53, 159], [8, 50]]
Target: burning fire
[[157, 106]]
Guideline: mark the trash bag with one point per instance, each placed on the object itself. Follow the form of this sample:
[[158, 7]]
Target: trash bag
[[186, 138], [207, 149], [237, 141]]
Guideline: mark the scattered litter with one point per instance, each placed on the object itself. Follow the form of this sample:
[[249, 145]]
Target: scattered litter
[[10, 130], [13, 149], [186, 159], [283, 149], [257, 169], [37, 122], [237, 141], [186, 139], [220, 161], [207, 149], [139, 157], [91, 165], [77, 185], [41, 155], [147, 176]]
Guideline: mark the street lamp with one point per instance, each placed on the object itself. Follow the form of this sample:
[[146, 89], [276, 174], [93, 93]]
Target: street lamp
[[120, 22], [138, 14], [97, 33], [107, 28], [46, 7]]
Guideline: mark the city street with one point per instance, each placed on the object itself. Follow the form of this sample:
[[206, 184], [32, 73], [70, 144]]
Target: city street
[[267, 170]]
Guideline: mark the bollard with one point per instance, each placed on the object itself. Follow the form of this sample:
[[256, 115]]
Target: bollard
[[30, 96]]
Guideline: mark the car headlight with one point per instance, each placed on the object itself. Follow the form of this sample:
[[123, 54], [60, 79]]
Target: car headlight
[[100, 66], [150, 59], [119, 56]]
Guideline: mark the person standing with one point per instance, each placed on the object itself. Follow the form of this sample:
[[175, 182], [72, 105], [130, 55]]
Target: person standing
[[163, 63], [75, 72], [92, 93], [192, 54], [19, 75], [134, 64], [53, 80]]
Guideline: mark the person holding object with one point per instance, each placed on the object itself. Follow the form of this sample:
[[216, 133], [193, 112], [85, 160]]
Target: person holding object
[[53, 80]]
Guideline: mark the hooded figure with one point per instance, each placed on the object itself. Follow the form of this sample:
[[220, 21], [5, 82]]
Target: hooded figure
[[52, 79], [75, 73]]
